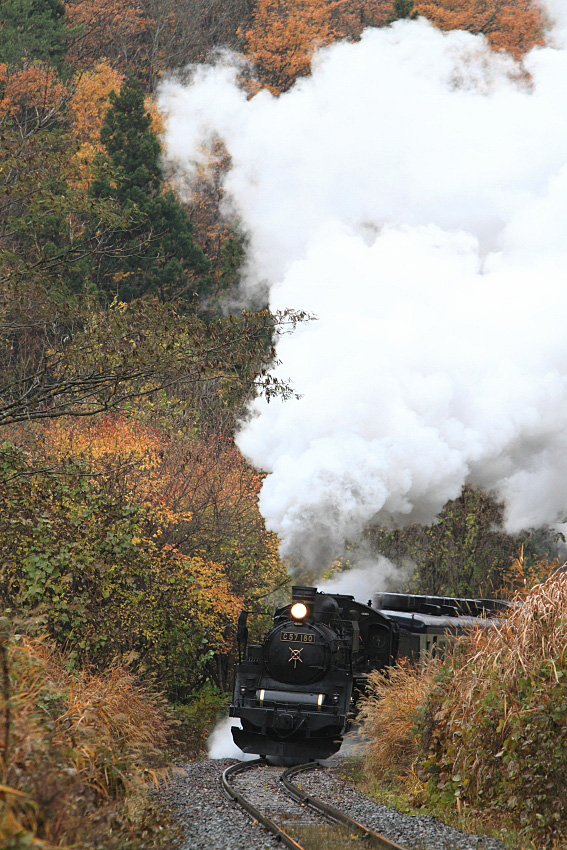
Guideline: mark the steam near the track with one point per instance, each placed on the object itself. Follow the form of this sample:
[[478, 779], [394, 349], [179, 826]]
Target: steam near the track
[[412, 193], [220, 744]]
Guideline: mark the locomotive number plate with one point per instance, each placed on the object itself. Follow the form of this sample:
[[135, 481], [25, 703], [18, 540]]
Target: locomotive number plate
[[297, 637]]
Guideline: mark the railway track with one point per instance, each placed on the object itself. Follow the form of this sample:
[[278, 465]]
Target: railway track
[[354, 833]]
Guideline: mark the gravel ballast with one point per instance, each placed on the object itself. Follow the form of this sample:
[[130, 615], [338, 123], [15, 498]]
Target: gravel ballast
[[211, 821]]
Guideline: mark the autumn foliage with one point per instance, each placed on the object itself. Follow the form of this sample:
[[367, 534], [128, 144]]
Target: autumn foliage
[[74, 747], [145, 547], [108, 30], [388, 711], [129, 522], [515, 25], [91, 100], [87, 562], [484, 733], [284, 35], [32, 96], [197, 496]]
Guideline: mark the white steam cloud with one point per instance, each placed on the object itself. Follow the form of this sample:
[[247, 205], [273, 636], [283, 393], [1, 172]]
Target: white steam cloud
[[412, 193], [370, 575], [220, 744]]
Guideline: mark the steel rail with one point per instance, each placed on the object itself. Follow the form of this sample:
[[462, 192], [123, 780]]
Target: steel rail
[[233, 770], [375, 839]]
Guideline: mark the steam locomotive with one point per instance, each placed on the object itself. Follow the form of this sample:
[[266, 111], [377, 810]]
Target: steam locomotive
[[297, 692]]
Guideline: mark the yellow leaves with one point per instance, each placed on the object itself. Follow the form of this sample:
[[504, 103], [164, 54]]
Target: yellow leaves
[[119, 306], [157, 125], [91, 100], [186, 523], [128, 455], [110, 439], [88, 106], [120, 276]]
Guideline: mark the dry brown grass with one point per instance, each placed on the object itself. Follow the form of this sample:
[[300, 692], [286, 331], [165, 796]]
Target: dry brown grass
[[483, 738], [494, 734], [389, 711], [526, 650], [534, 632], [72, 746]]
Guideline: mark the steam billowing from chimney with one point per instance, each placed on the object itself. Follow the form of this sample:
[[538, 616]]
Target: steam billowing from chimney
[[412, 193]]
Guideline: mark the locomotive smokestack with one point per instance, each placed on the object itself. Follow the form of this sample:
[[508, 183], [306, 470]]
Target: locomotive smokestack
[[300, 593]]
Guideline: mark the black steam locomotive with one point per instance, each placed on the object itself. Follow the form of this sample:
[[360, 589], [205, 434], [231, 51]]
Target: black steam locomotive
[[297, 691]]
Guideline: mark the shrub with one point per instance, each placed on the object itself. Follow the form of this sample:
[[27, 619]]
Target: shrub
[[389, 711], [74, 748], [197, 718], [103, 585], [494, 732]]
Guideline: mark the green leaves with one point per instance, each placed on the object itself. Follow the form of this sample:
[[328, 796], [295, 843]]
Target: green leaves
[[34, 30], [99, 580]]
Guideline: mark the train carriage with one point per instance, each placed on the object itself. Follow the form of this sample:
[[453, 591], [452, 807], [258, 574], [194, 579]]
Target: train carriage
[[430, 624]]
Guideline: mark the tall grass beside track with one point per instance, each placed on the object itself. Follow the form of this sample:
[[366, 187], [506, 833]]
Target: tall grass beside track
[[486, 733], [76, 750]]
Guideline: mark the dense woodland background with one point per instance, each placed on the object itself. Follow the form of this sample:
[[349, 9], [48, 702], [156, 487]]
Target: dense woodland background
[[129, 527]]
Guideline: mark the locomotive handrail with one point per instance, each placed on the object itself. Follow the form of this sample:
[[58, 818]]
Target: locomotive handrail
[[330, 811], [240, 767]]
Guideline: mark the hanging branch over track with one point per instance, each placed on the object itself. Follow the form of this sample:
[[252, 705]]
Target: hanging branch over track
[[128, 352]]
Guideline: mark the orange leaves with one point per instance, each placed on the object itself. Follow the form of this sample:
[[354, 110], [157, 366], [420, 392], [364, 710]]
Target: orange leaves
[[108, 442], [171, 542], [35, 85], [128, 455], [516, 25], [285, 35], [35, 95], [519, 29], [199, 496], [88, 107], [352, 18]]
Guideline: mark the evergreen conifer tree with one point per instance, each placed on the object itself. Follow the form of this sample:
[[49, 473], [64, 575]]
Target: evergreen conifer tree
[[34, 30], [160, 257]]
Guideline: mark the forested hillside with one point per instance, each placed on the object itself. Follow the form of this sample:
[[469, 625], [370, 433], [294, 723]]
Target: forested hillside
[[129, 525]]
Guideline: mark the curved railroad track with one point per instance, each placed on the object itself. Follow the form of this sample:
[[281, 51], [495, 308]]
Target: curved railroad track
[[354, 830]]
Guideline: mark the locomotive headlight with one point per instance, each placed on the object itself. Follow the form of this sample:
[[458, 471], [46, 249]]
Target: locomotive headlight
[[298, 611]]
